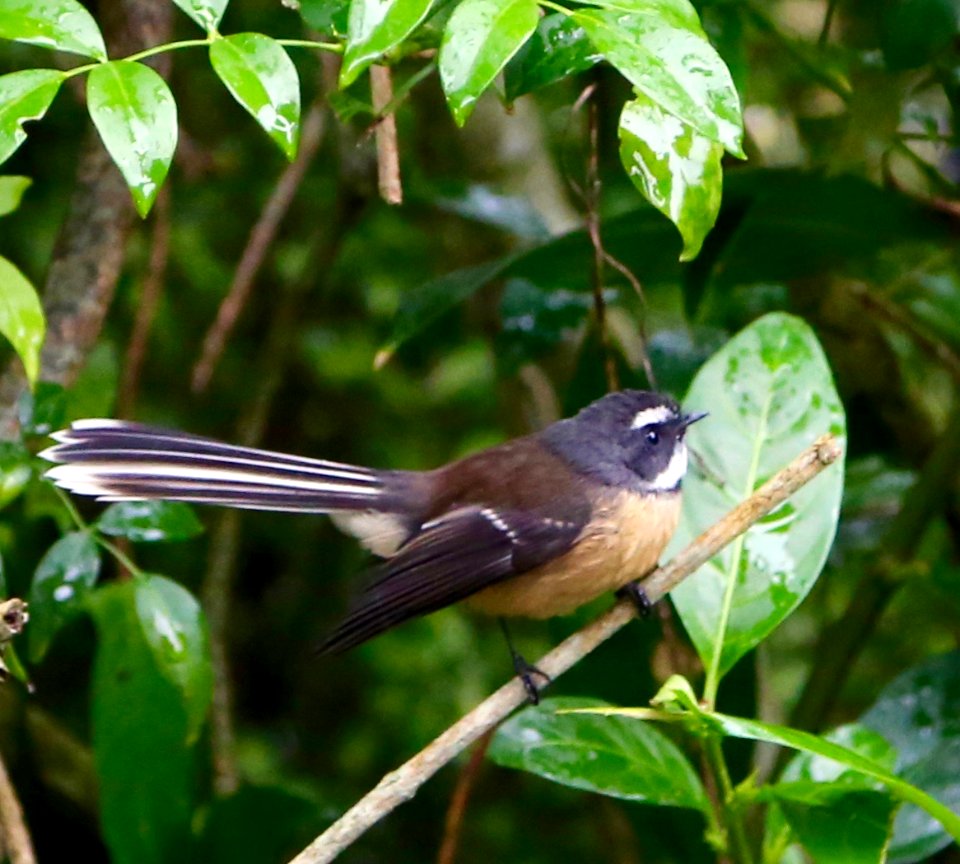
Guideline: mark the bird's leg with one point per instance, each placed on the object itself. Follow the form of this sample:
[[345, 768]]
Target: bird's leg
[[634, 592], [525, 670]]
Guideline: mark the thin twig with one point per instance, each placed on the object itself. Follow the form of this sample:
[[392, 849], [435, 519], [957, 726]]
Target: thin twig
[[258, 245], [592, 200], [17, 843], [453, 824], [388, 153], [147, 307], [828, 14], [631, 277], [402, 784]]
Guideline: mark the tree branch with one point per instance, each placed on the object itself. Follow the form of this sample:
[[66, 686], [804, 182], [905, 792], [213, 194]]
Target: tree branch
[[402, 784]]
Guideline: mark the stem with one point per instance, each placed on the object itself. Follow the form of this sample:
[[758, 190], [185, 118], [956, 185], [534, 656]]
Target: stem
[[169, 46], [713, 674], [334, 47], [119, 554], [737, 846], [548, 4]]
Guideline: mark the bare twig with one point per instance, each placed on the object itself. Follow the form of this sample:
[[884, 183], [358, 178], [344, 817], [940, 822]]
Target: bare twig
[[147, 307], [388, 153], [453, 824], [402, 784], [17, 843], [261, 238]]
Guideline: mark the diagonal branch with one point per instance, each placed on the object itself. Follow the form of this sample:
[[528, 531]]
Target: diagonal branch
[[402, 784]]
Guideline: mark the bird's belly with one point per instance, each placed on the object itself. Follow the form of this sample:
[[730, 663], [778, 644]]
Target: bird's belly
[[623, 543]]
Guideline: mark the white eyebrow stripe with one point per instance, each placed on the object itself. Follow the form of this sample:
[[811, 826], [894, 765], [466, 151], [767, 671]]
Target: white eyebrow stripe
[[647, 416]]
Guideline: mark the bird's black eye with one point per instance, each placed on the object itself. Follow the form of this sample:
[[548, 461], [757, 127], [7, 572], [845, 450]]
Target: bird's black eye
[[653, 437]]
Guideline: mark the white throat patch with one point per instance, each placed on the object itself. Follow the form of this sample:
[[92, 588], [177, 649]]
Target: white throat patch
[[647, 416], [673, 473]]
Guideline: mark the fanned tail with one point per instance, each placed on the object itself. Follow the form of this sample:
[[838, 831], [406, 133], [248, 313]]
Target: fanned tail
[[116, 460]]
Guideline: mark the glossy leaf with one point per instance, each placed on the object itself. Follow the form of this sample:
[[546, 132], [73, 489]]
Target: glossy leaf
[[12, 188], [145, 769], [919, 713], [807, 773], [674, 167], [327, 16], [15, 470], [481, 36], [662, 50], [64, 25], [374, 28], [612, 756], [558, 48], [770, 394], [21, 317], [176, 634], [136, 116], [262, 78], [150, 521], [854, 829], [206, 13], [61, 582], [24, 96]]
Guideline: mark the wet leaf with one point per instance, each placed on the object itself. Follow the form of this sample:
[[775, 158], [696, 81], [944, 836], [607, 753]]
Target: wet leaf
[[374, 28], [326, 16], [24, 96], [674, 167], [558, 48], [262, 78], [136, 116], [919, 713], [64, 25], [481, 36], [21, 317], [206, 13], [61, 583], [150, 521], [144, 766], [176, 634], [770, 394], [662, 50], [612, 756]]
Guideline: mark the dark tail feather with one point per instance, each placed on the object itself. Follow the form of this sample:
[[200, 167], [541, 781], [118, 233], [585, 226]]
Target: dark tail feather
[[119, 461]]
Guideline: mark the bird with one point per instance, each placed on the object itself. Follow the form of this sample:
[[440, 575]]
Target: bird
[[536, 526]]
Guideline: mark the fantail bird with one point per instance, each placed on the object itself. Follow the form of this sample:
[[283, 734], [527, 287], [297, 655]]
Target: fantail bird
[[536, 526]]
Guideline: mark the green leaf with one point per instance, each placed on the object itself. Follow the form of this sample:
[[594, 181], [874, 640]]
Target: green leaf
[[150, 521], [94, 392], [14, 470], [754, 730], [12, 188], [919, 713], [206, 13], [144, 767], [480, 37], [621, 758], [852, 830], [136, 116], [42, 410], [21, 317], [808, 773], [261, 76], [770, 394], [558, 48], [913, 32], [327, 16], [64, 25], [674, 167], [427, 302], [61, 583], [374, 28], [4, 591], [662, 50], [24, 96], [176, 634]]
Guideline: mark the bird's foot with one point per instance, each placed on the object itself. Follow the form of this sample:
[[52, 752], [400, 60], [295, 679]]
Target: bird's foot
[[526, 672], [634, 592]]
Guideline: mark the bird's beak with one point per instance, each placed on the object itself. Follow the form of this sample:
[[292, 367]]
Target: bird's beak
[[690, 419]]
